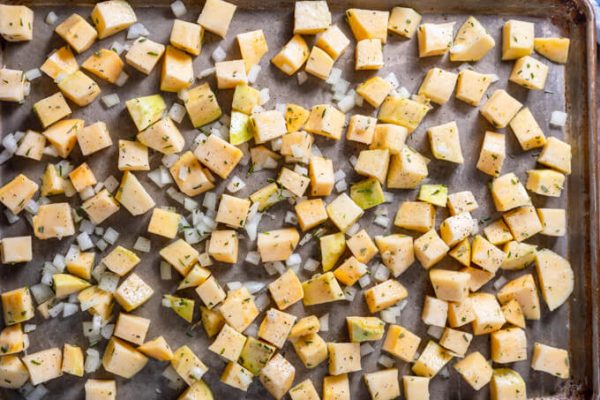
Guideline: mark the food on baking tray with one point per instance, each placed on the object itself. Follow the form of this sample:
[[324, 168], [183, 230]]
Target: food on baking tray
[[99, 275]]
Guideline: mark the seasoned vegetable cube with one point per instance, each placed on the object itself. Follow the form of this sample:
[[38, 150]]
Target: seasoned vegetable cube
[[16, 193], [82, 177], [121, 261], [500, 108], [321, 289], [65, 285], [344, 212], [133, 156], [551, 360], [72, 362], [100, 389], [305, 390], [297, 147], [498, 233], [486, 255], [555, 276], [445, 142], [508, 192], [311, 349], [44, 365], [256, 354], [101, 206], [430, 249], [554, 221], [438, 85], [514, 314], [333, 41], [368, 24], [157, 348], [13, 84], [112, 16], [17, 306], [268, 125], [362, 247], [554, 49], [415, 215], [239, 309], [105, 64], [286, 290], [236, 376], [456, 341], [326, 120], [16, 23], [556, 154], [471, 86], [177, 71], [361, 128], [336, 387], [145, 111], [373, 163], [133, 292], [93, 138], [13, 372], [402, 111], [367, 194], [277, 376], [321, 175], [397, 252], [51, 109], [240, 128], [295, 117], [524, 291], [61, 61], [162, 136], [216, 16], [310, 213], [344, 358], [529, 73], [385, 295], [450, 285], [16, 249], [132, 195], [132, 328], [460, 314], [144, 54], [508, 345], [523, 222], [435, 39], [82, 264], [79, 88], [228, 344], [233, 211], [218, 155], [53, 221], [507, 384], [517, 39], [223, 246], [545, 182], [319, 63], [189, 367], [230, 74], [374, 90], [488, 314], [305, 326], [350, 271], [493, 153], [187, 36], [361, 329], [253, 46], [211, 293], [278, 244], [368, 55], [432, 360], [401, 343], [189, 175], [292, 56], [461, 202], [472, 42], [63, 135], [332, 248], [475, 370], [416, 387], [311, 17], [404, 21], [435, 311], [276, 327]]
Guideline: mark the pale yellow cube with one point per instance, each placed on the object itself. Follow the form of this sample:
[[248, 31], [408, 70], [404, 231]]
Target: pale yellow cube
[[292, 56], [100, 389], [228, 344], [435, 39], [51, 109], [461, 202], [187, 36], [445, 142], [554, 221], [402, 111], [132, 328], [374, 90], [326, 120], [190, 176], [497, 233], [507, 384], [361, 128], [522, 289], [321, 175], [276, 327], [450, 285], [13, 85], [404, 21], [383, 384], [16, 23], [486, 255], [344, 358], [472, 42], [488, 314], [133, 292], [210, 292], [519, 255], [53, 221], [545, 182], [319, 63], [401, 343], [514, 314], [236, 376], [321, 289], [223, 246], [384, 295], [333, 41], [336, 387], [492, 154], [430, 249], [16, 249], [508, 192], [456, 341], [415, 215], [77, 32], [555, 49], [268, 125], [368, 55], [16, 193], [529, 73], [144, 54], [438, 85], [105, 64], [230, 74], [435, 311], [416, 387], [362, 247], [44, 365], [475, 370], [61, 61], [350, 271], [500, 108], [406, 169], [517, 39], [133, 196], [218, 155], [82, 177], [164, 223], [523, 222], [552, 360], [433, 358], [93, 138], [344, 212], [233, 211], [112, 16], [556, 154], [556, 278], [460, 314], [277, 376], [508, 345], [310, 213], [121, 260], [239, 309], [311, 17], [472, 86], [177, 71], [79, 88], [253, 46], [389, 136], [216, 16]]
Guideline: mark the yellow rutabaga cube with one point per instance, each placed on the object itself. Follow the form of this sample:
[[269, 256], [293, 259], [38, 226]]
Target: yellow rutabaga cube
[[326, 120], [177, 71], [236, 376], [472, 86], [17, 306], [373, 163], [32, 145], [332, 248], [319, 63], [305, 326], [438, 85], [333, 41], [77, 32], [462, 252], [401, 343], [344, 212], [187, 36], [278, 244], [189, 175], [145, 111], [350, 271], [383, 384], [479, 277], [276, 327], [133, 196], [460, 314], [105, 64], [79, 88], [228, 344], [554, 221], [53, 221], [16, 23], [556, 154], [500, 108], [517, 39], [240, 128], [493, 153], [132, 328], [368, 55], [72, 360], [61, 61], [523, 222], [322, 289], [292, 56], [13, 372], [44, 365], [133, 292], [435, 39], [430, 249], [187, 364], [456, 341], [218, 155], [374, 90], [545, 182], [336, 387], [112, 16], [344, 358], [100, 389], [445, 142], [310, 213], [524, 291], [435, 311], [256, 354], [416, 387], [82, 177], [497, 233], [311, 349], [508, 193], [508, 345], [121, 260], [555, 276], [286, 290], [514, 314], [63, 135], [293, 181], [133, 156], [368, 24], [216, 16], [488, 314], [486, 255], [51, 109], [223, 246], [16, 249], [164, 223], [385, 295], [93, 138], [361, 128], [456, 228], [361, 329], [389, 136], [13, 85], [311, 17], [297, 147], [232, 211], [245, 98], [402, 111], [230, 74], [321, 175], [460, 202], [65, 285], [362, 247], [529, 73], [472, 42], [211, 293], [253, 46], [162, 136], [433, 358], [552, 360], [554, 49], [404, 21], [450, 285], [475, 370], [268, 125], [295, 117], [277, 376], [406, 169], [82, 265], [144, 54], [195, 277], [397, 252], [16, 193], [507, 384], [239, 309], [416, 216]]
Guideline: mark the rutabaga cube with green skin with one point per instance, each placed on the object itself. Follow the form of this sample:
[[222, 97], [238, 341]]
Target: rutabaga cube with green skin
[[407, 169], [524, 291], [500, 108], [187, 36], [488, 314], [529, 73], [112, 16], [556, 154], [415, 215], [245, 98], [402, 111], [255, 355], [368, 24], [434, 194], [16, 23], [333, 41], [240, 128], [456, 228], [133, 196], [404, 21], [430, 249], [472, 86], [545, 182], [472, 42], [517, 39], [163, 136], [555, 276], [397, 252], [144, 54], [508, 193], [486, 255], [475, 370], [450, 285], [435, 39], [523, 222], [187, 364], [145, 111], [438, 85], [526, 129], [554, 221], [507, 384], [181, 306], [344, 212], [552, 360], [493, 153], [373, 163], [433, 358], [332, 248], [12, 86]]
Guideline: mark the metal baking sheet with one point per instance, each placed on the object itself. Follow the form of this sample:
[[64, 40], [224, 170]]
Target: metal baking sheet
[[571, 88]]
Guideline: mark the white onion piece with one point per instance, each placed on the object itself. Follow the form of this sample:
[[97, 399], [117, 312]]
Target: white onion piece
[[56, 310], [32, 74], [235, 184], [334, 76], [142, 244], [403, 93], [6, 155], [51, 18], [92, 360], [393, 80], [366, 349], [84, 241], [136, 30], [558, 119], [206, 72], [177, 112], [117, 47], [69, 309], [293, 260], [264, 96], [253, 73], [29, 328], [178, 8], [311, 265], [364, 281], [111, 184], [341, 186], [254, 286], [350, 293], [500, 282], [165, 271], [111, 100], [382, 221], [41, 292], [253, 257], [38, 393], [324, 322], [390, 315], [109, 282], [107, 331], [386, 361], [110, 235], [435, 331], [218, 54], [302, 77]]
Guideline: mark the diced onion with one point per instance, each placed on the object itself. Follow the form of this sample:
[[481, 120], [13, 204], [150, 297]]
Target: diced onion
[[92, 360], [254, 286], [324, 322], [353, 230], [293, 260], [117, 47], [364, 281], [290, 218], [347, 103], [366, 349], [386, 361], [262, 301], [29, 328], [558, 119], [6, 155], [334, 76], [444, 373], [111, 100], [32, 74], [178, 8], [204, 260], [494, 78], [218, 54], [350, 293], [206, 72], [311, 265], [500, 282], [38, 393], [302, 77], [84, 241], [341, 186], [10, 143], [253, 257], [340, 87], [165, 271], [142, 244], [110, 235], [382, 273], [393, 80], [175, 381], [136, 30], [234, 285], [56, 310], [111, 184], [69, 309], [390, 315], [435, 331], [279, 267], [51, 18], [109, 282], [403, 93], [41, 292], [107, 331], [253, 73], [382, 221], [264, 96], [270, 268], [235, 184], [177, 112], [122, 79]]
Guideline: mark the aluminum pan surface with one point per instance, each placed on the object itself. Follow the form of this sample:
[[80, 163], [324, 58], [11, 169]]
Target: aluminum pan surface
[[568, 327]]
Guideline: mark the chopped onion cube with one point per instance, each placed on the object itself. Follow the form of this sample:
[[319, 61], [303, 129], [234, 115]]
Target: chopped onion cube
[[165, 271], [393, 80], [206, 72], [218, 54], [293, 260], [111, 184], [341, 186], [111, 100], [51, 18], [435, 331], [253, 73], [302, 77], [311, 265], [110, 236], [558, 119], [334, 76], [382, 221], [117, 47], [178, 8], [84, 241], [109, 282], [235, 184], [234, 285], [364, 281], [92, 360], [264, 96], [69, 309], [136, 30], [253, 257], [254, 286], [142, 244], [324, 321], [386, 361], [500, 282], [32, 74], [177, 112]]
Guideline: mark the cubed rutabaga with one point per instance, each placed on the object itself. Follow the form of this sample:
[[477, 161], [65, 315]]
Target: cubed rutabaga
[[344, 358], [472, 42], [434, 312], [456, 341], [16, 249], [404, 21], [53, 221], [13, 372], [493, 153], [187, 36], [245, 98], [177, 71], [16, 23], [277, 376], [460, 314], [295, 117], [82, 264], [438, 85], [132, 328], [552, 360], [133, 196], [44, 365], [479, 277], [228, 344], [475, 370], [211, 294], [17, 306], [236, 376], [164, 223], [508, 345], [322, 289], [144, 54], [305, 326], [195, 277], [445, 142], [402, 111], [344, 212], [319, 63], [189, 175], [51, 109], [545, 182], [430, 249], [523, 222], [297, 146], [336, 387], [350, 271], [311, 349], [286, 290], [498, 233], [397, 252], [508, 193], [79, 88], [500, 108], [486, 255], [373, 163], [472, 86], [304, 390], [529, 73], [362, 329], [293, 181], [122, 359], [415, 215], [514, 313], [276, 327], [218, 155], [333, 41], [62, 135], [524, 291], [332, 248], [268, 125], [374, 90], [157, 348], [507, 384], [239, 309], [145, 111], [233, 211], [255, 355], [460, 202], [230, 74], [162, 136], [112, 16], [121, 260], [384, 295], [72, 360], [93, 138], [321, 176], [223, 246], [105, 64], [555, 276], [554, 221], [361, 128], [433, 358], [368, 55], [462, 252], [435, 39], [517, 39], [17, 193], [556, 154], [278, 244], [450, 285], [401, 343], [61, 61], [311, 17], [253, 46], [216, 16], [326, 120], [362, 247], [82, 177], [100, 206], [133, 292], [488, 314], [434, 194], [368, 24], [292, 56], [240, 128], [12, 84], [555, 49], [100, 389]]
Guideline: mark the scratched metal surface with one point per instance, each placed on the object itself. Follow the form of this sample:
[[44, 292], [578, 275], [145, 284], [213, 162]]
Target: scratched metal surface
[[567, 88]]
